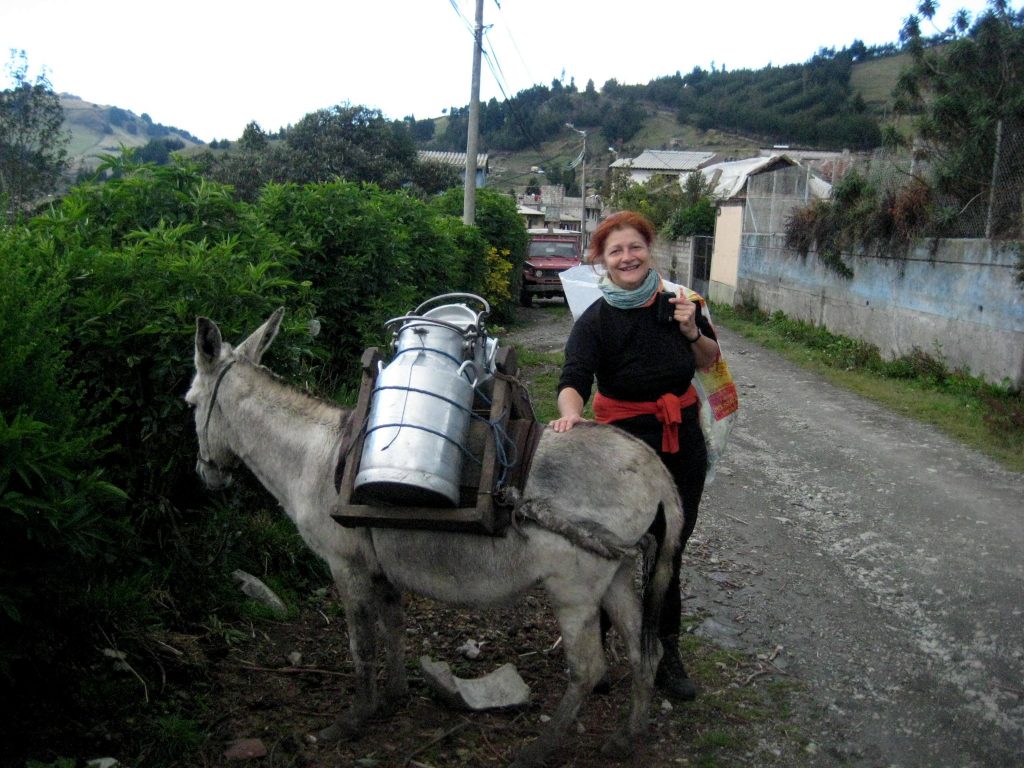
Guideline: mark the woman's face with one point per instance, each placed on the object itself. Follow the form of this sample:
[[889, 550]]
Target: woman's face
[[627, 258]]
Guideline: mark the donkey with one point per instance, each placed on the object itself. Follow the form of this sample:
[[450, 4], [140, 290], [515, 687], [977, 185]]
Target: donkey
[[594, 501]]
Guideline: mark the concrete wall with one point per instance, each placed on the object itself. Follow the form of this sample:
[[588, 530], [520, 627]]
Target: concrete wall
[[961, 304], [725, 261], [674, 259]]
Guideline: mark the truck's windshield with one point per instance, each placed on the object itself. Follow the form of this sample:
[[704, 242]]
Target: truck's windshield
[[550, 248]]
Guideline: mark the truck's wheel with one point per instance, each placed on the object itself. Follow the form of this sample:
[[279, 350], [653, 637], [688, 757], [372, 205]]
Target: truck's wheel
[[526, 299]]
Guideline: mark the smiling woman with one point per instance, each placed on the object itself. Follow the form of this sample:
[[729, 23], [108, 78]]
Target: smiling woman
[[644, 344]]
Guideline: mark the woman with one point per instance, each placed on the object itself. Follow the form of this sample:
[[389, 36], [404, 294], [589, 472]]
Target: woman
[[644, 361]]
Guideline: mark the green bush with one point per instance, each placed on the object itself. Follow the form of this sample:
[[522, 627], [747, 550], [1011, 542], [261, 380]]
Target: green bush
[[110, 548], [502, 228], [101, 548]]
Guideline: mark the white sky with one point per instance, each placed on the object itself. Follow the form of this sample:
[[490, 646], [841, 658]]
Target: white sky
[[212, 66]]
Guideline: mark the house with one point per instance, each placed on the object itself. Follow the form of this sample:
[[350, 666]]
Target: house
[[831, 166], [659, 162], [560, 211], [458, 160], [780, 184], [533, 218]]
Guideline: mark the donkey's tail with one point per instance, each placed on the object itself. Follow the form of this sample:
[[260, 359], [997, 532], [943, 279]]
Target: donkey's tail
[[657, 570]]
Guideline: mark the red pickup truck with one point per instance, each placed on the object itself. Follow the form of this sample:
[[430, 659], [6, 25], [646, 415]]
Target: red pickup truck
[[550, 252]]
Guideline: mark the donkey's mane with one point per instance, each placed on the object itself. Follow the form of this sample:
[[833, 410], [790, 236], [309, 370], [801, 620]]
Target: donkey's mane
[[287, 397]]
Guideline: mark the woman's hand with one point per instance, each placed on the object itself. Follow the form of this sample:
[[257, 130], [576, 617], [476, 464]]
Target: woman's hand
[[565, 423], [705, 350], [686, 315], [570, 405]]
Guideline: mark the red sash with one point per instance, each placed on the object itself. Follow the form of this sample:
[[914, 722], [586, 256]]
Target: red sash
[[668, 409]]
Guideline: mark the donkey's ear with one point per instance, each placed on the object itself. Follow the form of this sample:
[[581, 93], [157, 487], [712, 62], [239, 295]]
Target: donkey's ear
[[208, 342], [254, 347]]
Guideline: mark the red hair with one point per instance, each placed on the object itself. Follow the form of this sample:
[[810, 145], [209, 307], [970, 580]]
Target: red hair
[[620, 220]]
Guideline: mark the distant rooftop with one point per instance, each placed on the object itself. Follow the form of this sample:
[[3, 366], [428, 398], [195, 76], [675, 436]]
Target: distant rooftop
[[665, 161], [730, 178]]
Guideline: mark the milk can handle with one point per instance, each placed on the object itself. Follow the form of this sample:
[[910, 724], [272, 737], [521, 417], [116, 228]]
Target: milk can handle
[[448, 296], [476, 371], [425, 321]]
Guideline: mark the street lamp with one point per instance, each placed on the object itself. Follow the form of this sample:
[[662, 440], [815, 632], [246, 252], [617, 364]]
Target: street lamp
[[583, 183]]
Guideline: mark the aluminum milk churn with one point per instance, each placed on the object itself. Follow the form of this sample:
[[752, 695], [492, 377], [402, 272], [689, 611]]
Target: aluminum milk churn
[[422, 404]]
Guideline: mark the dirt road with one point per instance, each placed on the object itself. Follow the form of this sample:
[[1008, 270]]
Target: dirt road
[[876, 561]]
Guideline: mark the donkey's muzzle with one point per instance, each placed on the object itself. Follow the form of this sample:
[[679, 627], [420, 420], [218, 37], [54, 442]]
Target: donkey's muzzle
[[213, 477]]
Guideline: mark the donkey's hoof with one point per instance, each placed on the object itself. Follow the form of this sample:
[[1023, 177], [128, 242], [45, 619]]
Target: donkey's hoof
[[342, 729], [618, 746], [531, 756]]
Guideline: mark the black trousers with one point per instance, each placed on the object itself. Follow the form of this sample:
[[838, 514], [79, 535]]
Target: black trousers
[[689, 469]]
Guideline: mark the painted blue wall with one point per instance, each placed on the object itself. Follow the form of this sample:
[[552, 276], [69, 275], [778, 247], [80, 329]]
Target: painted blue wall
[[959, 302]]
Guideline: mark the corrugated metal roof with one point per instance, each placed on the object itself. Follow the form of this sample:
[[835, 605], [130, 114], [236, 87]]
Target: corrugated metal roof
[[450, 158], [730, 178], [662, 160]]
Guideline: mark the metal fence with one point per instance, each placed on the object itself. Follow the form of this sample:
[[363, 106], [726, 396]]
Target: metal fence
[[994, 206], [771, 198], [989, 206]]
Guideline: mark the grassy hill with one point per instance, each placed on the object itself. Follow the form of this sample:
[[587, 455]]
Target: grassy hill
[[660, 131], [98, 130], [875, 79]]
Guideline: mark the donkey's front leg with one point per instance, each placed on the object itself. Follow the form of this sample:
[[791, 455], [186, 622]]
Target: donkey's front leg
[[361, 613], [392, 626]]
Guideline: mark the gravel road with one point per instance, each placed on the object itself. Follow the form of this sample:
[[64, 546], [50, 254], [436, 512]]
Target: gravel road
[[876, 562]]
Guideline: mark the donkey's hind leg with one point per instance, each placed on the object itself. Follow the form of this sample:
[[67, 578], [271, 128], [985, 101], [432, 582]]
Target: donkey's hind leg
[[392, 627], [623, 607], [581, 639], [361, 613]]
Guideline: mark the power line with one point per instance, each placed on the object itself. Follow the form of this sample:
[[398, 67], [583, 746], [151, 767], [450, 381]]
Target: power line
[[490, 56]]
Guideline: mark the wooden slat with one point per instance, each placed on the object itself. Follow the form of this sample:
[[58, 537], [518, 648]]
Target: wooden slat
[[485, 517], [462, 519], [371, 358]]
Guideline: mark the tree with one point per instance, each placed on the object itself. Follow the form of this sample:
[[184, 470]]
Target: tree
[[33, 144], [965, 91], [351, 142], [253, 138]]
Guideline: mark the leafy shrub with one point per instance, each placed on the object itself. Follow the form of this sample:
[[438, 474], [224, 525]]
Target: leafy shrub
[[368, 255], [101, 294], [502, 228]]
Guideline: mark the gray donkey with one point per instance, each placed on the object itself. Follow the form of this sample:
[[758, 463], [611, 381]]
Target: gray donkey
[[595, 499]]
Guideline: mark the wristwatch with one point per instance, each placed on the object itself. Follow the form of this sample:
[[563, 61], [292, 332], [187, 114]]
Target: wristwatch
[[696, 338]]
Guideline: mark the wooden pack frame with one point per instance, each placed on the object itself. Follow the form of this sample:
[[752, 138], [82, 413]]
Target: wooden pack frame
[[477, 511]]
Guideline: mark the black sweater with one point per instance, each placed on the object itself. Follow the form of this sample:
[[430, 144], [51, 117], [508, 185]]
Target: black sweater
[[633, 356]]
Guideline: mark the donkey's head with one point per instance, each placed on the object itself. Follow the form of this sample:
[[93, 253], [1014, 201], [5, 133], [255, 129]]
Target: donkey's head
[[214, 358]]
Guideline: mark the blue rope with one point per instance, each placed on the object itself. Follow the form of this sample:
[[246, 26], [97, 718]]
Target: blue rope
[[443, 436]]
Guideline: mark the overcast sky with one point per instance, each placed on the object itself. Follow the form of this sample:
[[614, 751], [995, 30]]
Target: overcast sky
[[212, 66]]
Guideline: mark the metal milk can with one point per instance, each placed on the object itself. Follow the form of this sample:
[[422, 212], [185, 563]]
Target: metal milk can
[[422, 403]]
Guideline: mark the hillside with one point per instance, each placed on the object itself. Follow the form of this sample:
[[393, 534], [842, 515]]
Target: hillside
[[98, 130], [875, 79], [872, 81]]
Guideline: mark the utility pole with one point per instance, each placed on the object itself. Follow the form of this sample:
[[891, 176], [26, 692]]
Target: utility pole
[[583, 185], [473, 140]]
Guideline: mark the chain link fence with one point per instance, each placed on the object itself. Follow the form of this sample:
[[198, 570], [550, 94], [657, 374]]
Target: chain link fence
[[771, 198], [988, 201]]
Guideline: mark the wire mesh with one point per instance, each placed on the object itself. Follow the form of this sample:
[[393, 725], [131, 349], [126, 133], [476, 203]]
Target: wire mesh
[[771, 198], [984, 201]]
